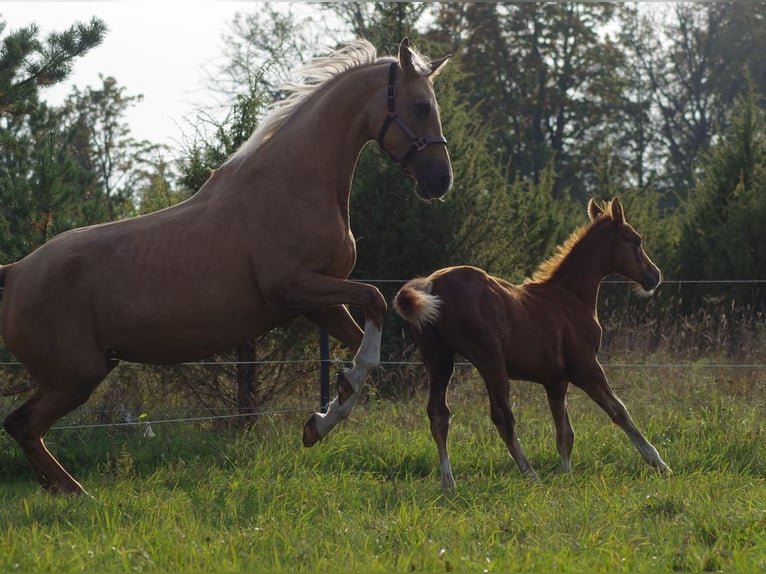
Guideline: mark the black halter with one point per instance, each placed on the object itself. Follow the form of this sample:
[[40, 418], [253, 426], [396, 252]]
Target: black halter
[[418, 143]]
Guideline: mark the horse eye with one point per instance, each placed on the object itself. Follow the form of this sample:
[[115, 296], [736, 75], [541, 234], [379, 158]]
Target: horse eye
[[423, 109]]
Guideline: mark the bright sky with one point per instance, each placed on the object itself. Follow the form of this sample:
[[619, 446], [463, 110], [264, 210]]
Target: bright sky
[[159, 49]]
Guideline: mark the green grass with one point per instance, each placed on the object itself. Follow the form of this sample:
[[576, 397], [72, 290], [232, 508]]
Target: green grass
[[206, 497]]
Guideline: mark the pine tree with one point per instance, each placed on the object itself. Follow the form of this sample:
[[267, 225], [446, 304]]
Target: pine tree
[[28, 63], [36, 170], [722, 234]]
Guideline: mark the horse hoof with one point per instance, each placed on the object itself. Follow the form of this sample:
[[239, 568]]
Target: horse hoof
[[311, 432]]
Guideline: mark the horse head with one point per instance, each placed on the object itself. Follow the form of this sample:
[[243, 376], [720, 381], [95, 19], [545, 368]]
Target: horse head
[[417, 143], [627, 257]]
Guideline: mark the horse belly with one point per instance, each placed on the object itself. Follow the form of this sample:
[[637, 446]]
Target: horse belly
[[189, 329], [179, 319]]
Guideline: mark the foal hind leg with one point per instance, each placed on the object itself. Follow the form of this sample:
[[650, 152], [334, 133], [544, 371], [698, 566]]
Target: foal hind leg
[[564, 432], [29, 423], [597, 387], [439, 361], [496, 379]]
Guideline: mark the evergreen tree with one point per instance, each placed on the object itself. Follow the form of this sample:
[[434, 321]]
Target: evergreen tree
[[28, 63], [722, 235], [38, 173]]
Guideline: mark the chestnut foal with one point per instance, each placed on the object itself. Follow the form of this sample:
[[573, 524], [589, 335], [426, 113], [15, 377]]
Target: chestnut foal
[[545, 330]]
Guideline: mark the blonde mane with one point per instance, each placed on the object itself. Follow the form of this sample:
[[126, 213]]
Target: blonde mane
[[549, 266], [313, 77]]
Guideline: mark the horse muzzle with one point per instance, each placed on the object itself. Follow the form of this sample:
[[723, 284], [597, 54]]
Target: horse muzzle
[[434, 188], [432, 174], [652, 280]]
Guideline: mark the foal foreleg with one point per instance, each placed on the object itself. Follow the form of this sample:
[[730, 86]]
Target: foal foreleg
[[599, 390]]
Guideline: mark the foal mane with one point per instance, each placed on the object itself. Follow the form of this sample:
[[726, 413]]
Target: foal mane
[[311, 79], [548, 268]]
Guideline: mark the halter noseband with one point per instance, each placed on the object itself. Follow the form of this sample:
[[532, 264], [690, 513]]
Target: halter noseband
[[418, 143]]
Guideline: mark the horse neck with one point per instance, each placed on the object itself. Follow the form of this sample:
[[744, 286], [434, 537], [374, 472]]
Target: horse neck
[[583, 268], [324, 136]]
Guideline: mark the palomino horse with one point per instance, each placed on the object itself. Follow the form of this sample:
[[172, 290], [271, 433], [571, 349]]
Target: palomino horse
[[265, 239], [545, 330]]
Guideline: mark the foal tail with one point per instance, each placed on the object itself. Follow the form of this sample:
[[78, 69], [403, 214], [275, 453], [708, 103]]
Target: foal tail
[[416, 304]]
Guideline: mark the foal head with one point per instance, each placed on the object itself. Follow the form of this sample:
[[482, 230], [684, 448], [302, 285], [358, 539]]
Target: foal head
[[627, 256], [411, 133]]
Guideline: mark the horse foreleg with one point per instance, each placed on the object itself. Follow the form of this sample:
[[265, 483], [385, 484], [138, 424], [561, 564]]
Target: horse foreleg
[[350, 383], [326, 298], [597, 387]]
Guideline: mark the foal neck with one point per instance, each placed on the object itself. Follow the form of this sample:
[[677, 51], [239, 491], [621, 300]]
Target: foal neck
[[580, 264]]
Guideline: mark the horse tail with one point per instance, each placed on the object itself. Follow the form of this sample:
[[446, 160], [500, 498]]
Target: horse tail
[[416, 304], [3, 269]]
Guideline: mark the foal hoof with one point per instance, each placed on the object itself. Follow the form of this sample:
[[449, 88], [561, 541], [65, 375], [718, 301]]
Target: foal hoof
[[311, 432]]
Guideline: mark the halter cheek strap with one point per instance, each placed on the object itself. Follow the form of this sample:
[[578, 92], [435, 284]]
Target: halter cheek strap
[[419, 143]]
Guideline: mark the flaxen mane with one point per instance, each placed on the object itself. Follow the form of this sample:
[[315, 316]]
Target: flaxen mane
[[549, 267], [313, 77]]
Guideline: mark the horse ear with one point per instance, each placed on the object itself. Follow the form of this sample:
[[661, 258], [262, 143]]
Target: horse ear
[[436, 64], [618, 214], [594, 209], [405, 56]]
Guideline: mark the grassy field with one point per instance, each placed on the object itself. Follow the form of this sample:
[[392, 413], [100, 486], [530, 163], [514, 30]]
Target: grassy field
[[208, 497]]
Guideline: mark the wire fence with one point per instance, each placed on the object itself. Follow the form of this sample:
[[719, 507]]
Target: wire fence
[[325, 362], [188, 415]]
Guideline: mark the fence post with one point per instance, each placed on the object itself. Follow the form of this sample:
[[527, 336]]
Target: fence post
[[324, 370], [246, 378]]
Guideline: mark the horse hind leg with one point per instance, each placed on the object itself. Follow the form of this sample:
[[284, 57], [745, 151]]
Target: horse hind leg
[[29, 423]]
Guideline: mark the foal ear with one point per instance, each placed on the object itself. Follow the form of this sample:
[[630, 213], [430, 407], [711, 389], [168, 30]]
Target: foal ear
[[594, 209], [618, 214]]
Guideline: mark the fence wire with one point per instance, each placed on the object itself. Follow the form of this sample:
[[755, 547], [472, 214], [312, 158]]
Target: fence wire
[[147, 424]]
